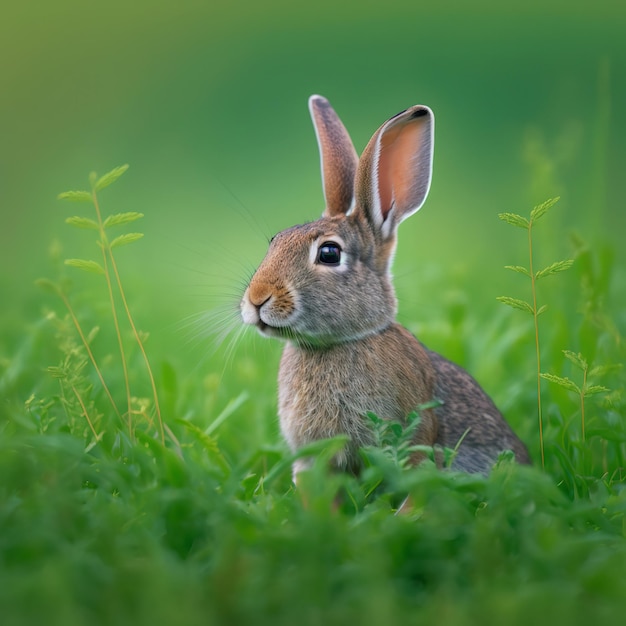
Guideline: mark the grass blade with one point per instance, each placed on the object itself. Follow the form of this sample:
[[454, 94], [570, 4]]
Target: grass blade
[[518, 268], [562, 381], [228, 410], [521, 305], [555, 268], [125, 239], [75, 196], [576, 359], [540, 210], [514, 219], [82, 222], [87, 266], [121, 218], [110, 177]]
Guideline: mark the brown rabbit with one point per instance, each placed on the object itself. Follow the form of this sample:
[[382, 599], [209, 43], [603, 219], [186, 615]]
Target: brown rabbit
[[325, 287]]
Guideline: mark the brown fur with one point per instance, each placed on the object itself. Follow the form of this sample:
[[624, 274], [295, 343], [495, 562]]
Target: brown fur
[[327, 392], [345, 354]]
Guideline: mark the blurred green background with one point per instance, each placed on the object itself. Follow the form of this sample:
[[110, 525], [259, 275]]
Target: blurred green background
[[207, 103]]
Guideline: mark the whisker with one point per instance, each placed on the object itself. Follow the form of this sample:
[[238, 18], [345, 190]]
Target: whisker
[[251, 219], [232, 345]]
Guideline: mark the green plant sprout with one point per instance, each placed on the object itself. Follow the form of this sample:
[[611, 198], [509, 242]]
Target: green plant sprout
[[559, 266], [60, 291], [585, 388], [108, 268], [395, 440]]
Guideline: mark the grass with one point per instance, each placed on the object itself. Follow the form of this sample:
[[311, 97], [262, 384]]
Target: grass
[[521, 222], [106, 519]]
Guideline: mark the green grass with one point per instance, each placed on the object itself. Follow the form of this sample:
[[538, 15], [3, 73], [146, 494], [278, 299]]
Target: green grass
[[107, 519]]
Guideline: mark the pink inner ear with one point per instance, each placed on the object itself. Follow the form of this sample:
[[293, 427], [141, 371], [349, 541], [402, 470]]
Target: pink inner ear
[[399, 184]]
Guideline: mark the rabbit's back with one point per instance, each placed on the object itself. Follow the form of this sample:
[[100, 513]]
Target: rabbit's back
[[327, 392], [467, 413]]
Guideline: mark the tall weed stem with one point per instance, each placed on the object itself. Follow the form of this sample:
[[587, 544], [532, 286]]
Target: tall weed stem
[[108, 263], [90, 354], [104, 247], [522, 305], [533, 280]]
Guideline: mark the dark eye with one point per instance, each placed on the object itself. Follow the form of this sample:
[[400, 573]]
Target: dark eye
[[329, 253]]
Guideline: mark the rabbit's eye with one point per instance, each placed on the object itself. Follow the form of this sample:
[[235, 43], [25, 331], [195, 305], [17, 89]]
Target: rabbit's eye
[[329, 253]]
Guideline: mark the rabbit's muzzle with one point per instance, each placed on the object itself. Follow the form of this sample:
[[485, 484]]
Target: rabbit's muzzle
[[266, 307]]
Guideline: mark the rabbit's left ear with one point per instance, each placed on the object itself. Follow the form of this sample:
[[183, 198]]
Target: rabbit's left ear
[[394, 173], [337, 155]]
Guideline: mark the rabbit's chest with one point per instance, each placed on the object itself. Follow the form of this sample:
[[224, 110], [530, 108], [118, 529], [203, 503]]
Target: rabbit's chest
[[320, 395]]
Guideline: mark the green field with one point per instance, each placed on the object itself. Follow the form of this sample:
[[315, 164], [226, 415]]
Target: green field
[[156, 489]]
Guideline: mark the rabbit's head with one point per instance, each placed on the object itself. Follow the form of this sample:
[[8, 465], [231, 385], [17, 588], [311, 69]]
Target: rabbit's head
[[328, 281]]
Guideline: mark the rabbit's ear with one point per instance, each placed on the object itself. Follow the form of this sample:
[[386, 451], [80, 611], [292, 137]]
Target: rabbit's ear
[[394, 173], [338, 157]]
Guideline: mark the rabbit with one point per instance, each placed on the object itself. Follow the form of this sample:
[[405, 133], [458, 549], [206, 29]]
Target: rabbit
[[325, 288]]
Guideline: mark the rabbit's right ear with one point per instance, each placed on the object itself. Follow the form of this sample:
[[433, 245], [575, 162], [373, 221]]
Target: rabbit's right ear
[[394, 173], [339, 159]]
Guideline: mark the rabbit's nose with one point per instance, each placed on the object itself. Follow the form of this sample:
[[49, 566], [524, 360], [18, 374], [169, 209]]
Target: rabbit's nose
[[253, 299], [259, 294]]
